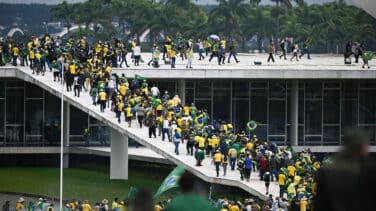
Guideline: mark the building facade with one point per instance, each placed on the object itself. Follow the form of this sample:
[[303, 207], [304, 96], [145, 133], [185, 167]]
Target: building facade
[[30, 116]]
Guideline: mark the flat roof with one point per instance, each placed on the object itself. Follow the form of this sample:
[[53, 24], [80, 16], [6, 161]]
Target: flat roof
[[320, 66]]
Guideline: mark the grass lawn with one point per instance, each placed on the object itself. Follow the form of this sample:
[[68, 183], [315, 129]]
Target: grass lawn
[[78, 183]]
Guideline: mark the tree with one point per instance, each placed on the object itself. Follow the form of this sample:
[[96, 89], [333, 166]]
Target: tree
[[64, 12]]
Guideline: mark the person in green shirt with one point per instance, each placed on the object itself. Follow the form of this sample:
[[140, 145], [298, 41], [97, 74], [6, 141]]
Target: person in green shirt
[[189, 200]]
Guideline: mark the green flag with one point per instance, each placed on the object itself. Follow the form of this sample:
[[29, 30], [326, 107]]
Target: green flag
[[138, 77], [131, 194], [171, 181]]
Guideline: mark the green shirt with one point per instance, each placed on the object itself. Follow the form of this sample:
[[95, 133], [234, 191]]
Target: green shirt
[[189, 202]]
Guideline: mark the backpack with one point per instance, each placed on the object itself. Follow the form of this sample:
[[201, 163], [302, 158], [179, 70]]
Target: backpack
[[177, 135]]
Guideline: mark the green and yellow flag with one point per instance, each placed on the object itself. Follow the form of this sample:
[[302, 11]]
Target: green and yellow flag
[[171, 181]]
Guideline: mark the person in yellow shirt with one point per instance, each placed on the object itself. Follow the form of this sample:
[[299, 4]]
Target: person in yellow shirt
[[282, 183], [129, 115], [15, 54], [303, 204], [217, 161], [115, 204], [31, 57], [86, 206], [102, 99], [158, 207], [119, 109], [291, 170], [173, 57], [20, 204], [200, 141]]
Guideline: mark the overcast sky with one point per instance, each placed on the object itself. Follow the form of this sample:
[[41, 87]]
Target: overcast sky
[[53, 2]]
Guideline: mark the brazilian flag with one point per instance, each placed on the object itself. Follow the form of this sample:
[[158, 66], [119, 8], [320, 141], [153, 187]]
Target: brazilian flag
[[368, 55], [199, 120], [171, 181], [132, 193], [252, 125], [138, 77]]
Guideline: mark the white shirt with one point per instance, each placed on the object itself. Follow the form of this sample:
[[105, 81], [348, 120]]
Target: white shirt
[[166, 123], [200, 45], [137, 51], [154, 90], [111, 84]]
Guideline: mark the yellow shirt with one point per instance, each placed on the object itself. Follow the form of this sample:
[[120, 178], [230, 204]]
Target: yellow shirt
[[86, 207], [31, 54], [234, 208], [200, 140], [217, 157], [303, 205], [102, 96], [122, 90], [19, 206], [157, 208], [120, 106], [72, 69], [281, 179], [186, 110], [291, 170], [16, 51], [129, 111], [249, 145]]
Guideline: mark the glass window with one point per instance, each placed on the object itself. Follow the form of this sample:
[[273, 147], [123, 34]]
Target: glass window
[[189, 84], [313, 118], [367, 84], [52, 107], [277, 112], [240, 114], [15, 83], [331, 135], [279, 140], [312, 140], [2, 88], [259, 105], [34, 117], [100, 134], [261, 132], [331, 107], [367, 107], [33, 91], [301, 135], [93, 120], [349, 114], [240, 89], [2, 116], [331, 84], [15, 106], [204, 104], [259, 84], [189, 96], [224, 84], [349, 89], [33, 140], [277, 89], [170, 86], [14, 136], [313, 89], [371, 131], [52, 133], [78, 121], [203, 89], [222, 104]]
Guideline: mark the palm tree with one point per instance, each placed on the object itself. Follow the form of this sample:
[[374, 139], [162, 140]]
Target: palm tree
[[64, 12], [228, 14]]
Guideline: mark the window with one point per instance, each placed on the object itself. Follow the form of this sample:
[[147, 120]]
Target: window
[[367, 107], [277, 112], [240, 114], [240, 89], [33, 91], [15, 106], [331, 135], [313, 90], [331, 107], [222, 104], [259, 105], [34, 117], [78, 121], [277, 89], [203, 89], [313, 118], [349, 114]]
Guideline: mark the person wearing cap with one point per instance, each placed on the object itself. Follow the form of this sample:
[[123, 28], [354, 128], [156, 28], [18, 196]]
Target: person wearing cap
[[176, 136], [20, 204], [51, 207], [102, 99]]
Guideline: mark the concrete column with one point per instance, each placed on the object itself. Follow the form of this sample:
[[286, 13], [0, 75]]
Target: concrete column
[[119, 156], [66, 161], [66, 126], [181, 90], [66, 129], [294, 111]]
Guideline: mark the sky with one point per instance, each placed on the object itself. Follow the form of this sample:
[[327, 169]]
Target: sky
[[201, 2]]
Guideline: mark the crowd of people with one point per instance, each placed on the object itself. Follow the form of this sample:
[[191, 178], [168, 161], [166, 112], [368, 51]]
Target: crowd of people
[[88, 68]]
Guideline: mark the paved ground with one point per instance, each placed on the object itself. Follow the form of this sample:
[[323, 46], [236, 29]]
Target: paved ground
[[166, 149], [317, 61]]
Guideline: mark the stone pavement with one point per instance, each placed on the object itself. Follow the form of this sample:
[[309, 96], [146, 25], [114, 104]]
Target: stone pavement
[[165, 149]]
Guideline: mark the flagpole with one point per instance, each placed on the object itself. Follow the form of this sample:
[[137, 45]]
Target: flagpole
[[61, 138]]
